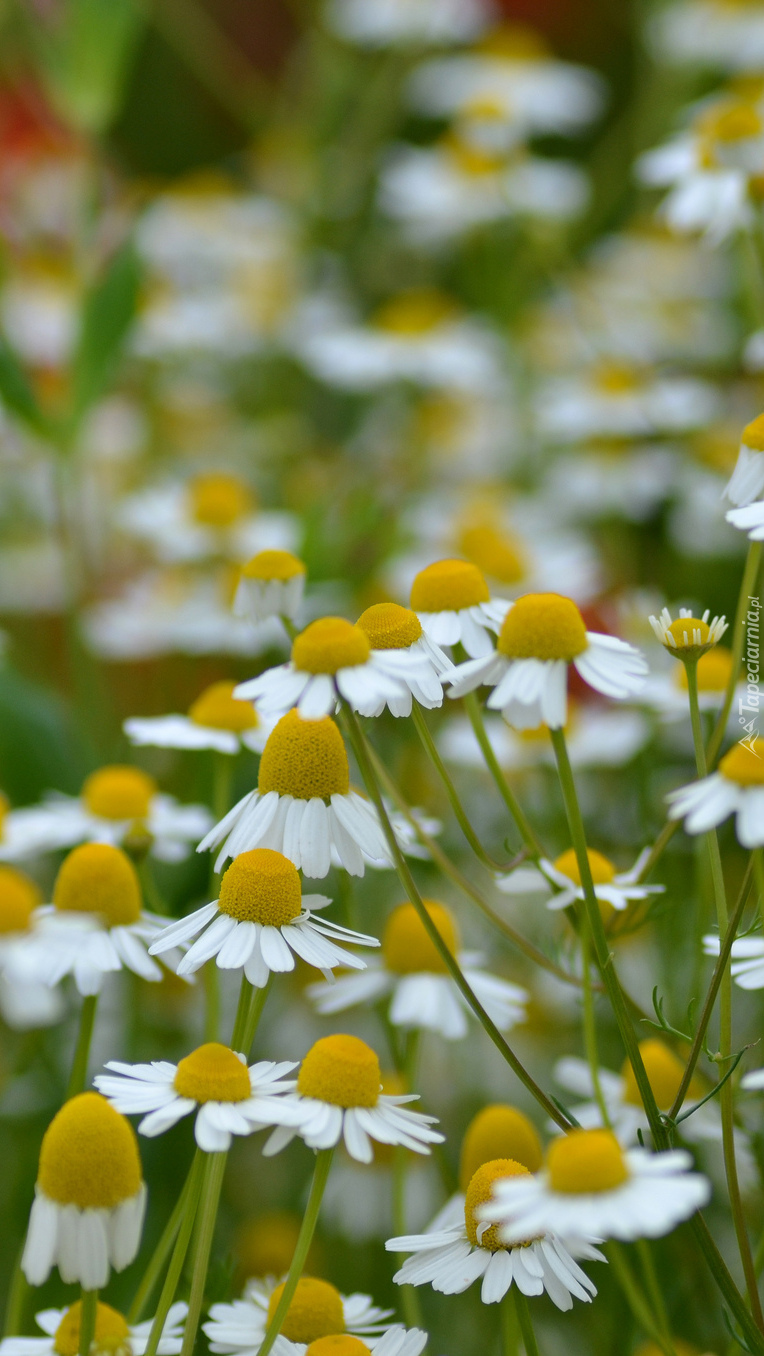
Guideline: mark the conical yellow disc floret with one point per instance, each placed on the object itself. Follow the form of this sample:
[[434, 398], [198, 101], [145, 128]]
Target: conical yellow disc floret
[[688, 631], [448, 586], [261, 886], [89, 1155], [753, 434], [338, 1344], [112, 1334], [316, 1310], [601, 868], [19, 897], [713, 671], [342, 1070], [543, 626], [99, 878], [499, 1131], [119, 792], [273, 565], [744, 764], [213, 1073], [734, 122], [480, 1192], [329, 644], [218, 500], [586, 1161], [416, 312], [218, 709], [495, 553], [407, 947], [388, 626], [664, 1071], [304, 758]]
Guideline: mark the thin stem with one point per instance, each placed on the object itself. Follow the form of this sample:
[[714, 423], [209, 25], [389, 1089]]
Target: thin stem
[[88, 1312], [239, 1022], [590, 1026], [18, 1294], [211, 1001], [654, 1290], [175, 1269], [526, 1325], [212, 1181], [660, 844], [254, 1014], [635, 1299], [510, 1334], [750, 574], [161, 1252], [428, 743], [757, 860], [79, 1073], [721, 1274], [305, 1238], [527, 832]]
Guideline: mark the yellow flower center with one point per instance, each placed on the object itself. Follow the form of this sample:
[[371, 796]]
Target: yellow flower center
[[342, 1070], [471, 159], [119, 792], [515, 42], [602, 870], [495, 553], [615, 378], [388, 626], [338, 1344], [713, 670], [328, 645], [316, 1311], [89, 1155], [415, 313], [688, 631], [480, 1192], [261, 886], [304, 758], [448, 586], [265, 1245], [218, 709], [753, 434], [99, 878], [408, 948], [586, 1161], [499, 1131], [19, 897], [279, 565], [212, 1073], [734, 122], [218, 500], [744, 764], [664, 1071], [543, 626], [111, 1332]]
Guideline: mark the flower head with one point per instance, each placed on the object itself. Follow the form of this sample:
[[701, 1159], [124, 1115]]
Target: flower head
[[747, 481], [737, 787], [453, 603], [499, 1131], [215, 720], [688, 637], [271, 584], [317, 1314], [113, 1335], [614, 888]]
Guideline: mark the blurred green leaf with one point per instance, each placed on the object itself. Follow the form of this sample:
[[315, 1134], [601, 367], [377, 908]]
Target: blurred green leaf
[[39, 748], [15, 390], [85, 52], [107, 315]]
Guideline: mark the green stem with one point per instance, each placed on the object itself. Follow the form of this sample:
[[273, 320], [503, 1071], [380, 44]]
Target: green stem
[[79, 1073], [88, 1314], [721, 1274], [154, 899], [212, 1181], [757, 859], [660, 844], [18, 1294], [211, 1001], [654, 1291], [428, 743], [175, 1269], [590, 1026], [510, 1334], [254, 1014], [750, 574], [239, 1022], [526, 1324], [305, 1238], [634, 1297], [222, 779], [161, 1252], [527, 832]]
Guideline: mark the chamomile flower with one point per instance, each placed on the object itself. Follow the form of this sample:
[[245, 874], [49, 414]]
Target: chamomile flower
[[271, 584], [339, 1097], [542, 634], [90, 1197], [401, 648], [747, 481], [617, 888], [452, 1258], [216, 720], [260, 922], [688, 637], [497, 1131], [24, 1003], [403, 23], [626, 1112], [212, 1081], [396, 1341], [214, 514], [317, 1311], [112, 1333], [424, 996], [619, 400], [303, 805], [454, 605], [737, 787], [591, 1187], [747, 959], [711, 33]]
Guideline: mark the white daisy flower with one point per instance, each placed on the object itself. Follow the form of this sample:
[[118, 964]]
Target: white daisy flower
[[737, 787], [709, 33], [688, 635], [303, 805], [402, 649], [753, 1081], [24, 1002], [271, 584], [619, 400], [339, 1097], [541, 635], [747, 480], [213, 514], [454, 605], [399, 23], [590, 1187], [626, 1112], [424, 996], [216, 720], [317, 1310], [90, 1197], [617, 888], [451, 1258], [597, 736], [212, 1081], [747, 959], [260, 921], [112, 1333]]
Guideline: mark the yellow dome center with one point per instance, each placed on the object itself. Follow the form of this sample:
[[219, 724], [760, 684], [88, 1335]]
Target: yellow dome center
[[329, 644], [407, 947], [388, 626], [615, 378], [267, 565], [119, 792], [219, 500], [499, 1131], [753, 434], [218, 709], [495, 553], [99, 878], [261, 886], [111, 1332], [602, 870], [744, 764], [586, 1161], [338, 1344], [472, 160], [448, 586], [543, 626], [713, 671], [688, 631], [342, 1070], [19, 897], [89, 1155], [664, 1071], [415, 313], [213, 1073], [480, 1192], [304, 758], [736, 122], [316, 1311]]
